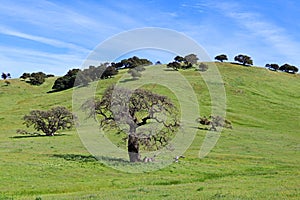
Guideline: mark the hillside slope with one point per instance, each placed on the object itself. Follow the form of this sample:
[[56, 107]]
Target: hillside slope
[[258, 159]]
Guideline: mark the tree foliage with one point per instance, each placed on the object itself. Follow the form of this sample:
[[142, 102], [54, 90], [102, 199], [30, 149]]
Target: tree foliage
[[221, 57], [191, 59], [185, 62], [214, 121], [25, 75], [174, 65], [37, 78], [179, 59], [273, 67], [67, 81], [244, 59], [288, 68], [131, 112], [203, 67], [133, 62], [4, 76], [51, 121]]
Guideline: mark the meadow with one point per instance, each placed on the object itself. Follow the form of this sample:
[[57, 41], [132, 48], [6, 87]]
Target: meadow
[[258, 159]]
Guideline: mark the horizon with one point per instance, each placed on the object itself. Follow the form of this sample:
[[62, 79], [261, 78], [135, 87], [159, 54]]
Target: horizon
[[54, 36]]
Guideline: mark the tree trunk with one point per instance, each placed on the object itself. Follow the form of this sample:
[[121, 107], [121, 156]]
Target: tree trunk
[[133, 148]]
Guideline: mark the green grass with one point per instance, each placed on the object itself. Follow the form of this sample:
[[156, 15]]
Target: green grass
[[258, 159]]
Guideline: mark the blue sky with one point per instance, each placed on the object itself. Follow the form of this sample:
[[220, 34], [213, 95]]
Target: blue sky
[[54, 36]]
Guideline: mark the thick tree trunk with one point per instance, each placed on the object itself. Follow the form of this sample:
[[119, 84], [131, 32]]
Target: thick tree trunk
[[133, 148]]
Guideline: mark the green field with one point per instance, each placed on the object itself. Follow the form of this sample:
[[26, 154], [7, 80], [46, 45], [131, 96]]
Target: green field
[[258, 159]]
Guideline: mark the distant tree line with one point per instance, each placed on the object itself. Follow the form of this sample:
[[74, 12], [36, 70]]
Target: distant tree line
[[284, 68], [246, 61]]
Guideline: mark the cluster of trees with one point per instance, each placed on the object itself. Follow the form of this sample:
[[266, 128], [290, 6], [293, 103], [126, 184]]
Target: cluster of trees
[[241, 58], [132, 63], [285, 68], [77, 77], [36, 78], [185, 62], [84, 77]]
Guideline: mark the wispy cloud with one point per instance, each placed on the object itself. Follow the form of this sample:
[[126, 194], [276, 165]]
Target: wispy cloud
[[255, 24], [33, 60], [48, 41]]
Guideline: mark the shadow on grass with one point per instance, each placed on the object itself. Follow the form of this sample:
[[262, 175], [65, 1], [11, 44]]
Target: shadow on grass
[[170, 70], [35, 136], [128, 80], [200, 128], [90, 158], [76, 157], [110, 159]]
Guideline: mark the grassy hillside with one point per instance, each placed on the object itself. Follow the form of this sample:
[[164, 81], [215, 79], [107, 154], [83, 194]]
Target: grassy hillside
[[258, 159]]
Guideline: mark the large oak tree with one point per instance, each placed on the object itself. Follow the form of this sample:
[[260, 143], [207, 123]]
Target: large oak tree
[[138, 113]]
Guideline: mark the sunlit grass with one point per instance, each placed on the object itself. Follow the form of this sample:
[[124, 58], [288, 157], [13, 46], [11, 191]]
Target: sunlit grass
[[258, 159]]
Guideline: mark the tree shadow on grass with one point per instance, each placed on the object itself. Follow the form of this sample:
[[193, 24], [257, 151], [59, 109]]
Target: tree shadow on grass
[[128, 80], [110, 159], [76, 157], [89, 158], [170, 70], [35, 136], [200, 128]]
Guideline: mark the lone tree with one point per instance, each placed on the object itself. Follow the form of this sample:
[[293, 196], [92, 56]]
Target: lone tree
[[138, 114], [203, 67], [49, 122], [273, 67], [191, 59], [244, 59], [214, 122], [221, 57], [288, 68], [4, 76]]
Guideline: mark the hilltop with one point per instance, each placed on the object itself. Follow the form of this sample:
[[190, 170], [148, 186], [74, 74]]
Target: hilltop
[[258, 159]]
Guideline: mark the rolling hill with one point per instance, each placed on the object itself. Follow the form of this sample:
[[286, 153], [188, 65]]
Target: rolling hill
[[258, 159]]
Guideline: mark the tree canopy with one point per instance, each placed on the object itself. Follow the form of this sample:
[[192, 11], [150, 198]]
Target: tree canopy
[[191, 59], [221, 57], [67, 81], [273, 67], [288, 68], [51, 121], [244, 59]]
